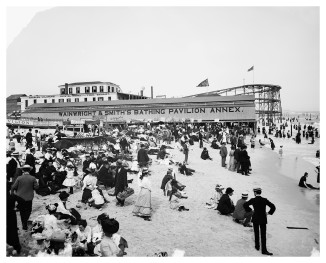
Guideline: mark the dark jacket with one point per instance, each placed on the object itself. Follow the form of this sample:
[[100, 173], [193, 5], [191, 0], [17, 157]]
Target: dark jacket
[[121, 180], [223, 151], [259, 204], [166, 178], [204, 155], [86, 165], [11, 168], [30, 160], [142, 156], [225, 205], [105, 176]]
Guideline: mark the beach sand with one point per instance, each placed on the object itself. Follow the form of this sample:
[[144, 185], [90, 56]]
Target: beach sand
[[203, 232]]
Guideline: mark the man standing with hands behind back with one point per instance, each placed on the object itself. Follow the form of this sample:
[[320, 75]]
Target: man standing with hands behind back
[[259, 218]]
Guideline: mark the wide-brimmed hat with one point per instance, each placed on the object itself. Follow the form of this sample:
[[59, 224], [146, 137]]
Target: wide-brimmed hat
[[87, 155], [229, 190], [26, 167], [119, 161], [145, 170], [110, 226], [63, 195], [15, 153], [218, 186]]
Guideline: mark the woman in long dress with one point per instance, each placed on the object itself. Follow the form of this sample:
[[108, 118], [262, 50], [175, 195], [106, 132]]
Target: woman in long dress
[[143, 204], [231, 161]]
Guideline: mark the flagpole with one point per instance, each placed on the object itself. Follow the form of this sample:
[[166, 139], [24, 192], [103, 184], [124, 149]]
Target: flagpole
[[253, 75]]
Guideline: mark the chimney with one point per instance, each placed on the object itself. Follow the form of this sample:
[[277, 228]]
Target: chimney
[[66, 88], [141, 93], [152, 95]]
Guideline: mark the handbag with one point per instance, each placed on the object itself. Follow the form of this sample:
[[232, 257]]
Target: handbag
[[126, 193]]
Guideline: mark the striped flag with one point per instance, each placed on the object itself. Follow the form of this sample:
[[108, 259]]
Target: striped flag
[[203, 83], [252, 68]]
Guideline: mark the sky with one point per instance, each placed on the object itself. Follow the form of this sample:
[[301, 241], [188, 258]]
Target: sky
[[172, 49]]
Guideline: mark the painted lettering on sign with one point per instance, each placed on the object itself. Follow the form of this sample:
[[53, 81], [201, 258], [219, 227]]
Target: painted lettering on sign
[[153, 111]]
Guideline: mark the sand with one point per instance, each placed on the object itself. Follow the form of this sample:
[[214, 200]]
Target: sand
[[203, 232]]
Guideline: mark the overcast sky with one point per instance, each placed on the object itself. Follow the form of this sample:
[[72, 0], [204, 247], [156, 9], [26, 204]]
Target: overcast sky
[[172, 49]]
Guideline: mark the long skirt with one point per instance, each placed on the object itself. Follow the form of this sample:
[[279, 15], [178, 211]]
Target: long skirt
[[143, 203]]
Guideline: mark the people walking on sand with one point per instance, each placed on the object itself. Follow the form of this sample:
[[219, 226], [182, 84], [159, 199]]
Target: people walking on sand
[[142, 156], [223, 153], [121, 182], [303, 182], [231, 160], [240, 213], [272, 144], [280, 151], [252, 142], [186, 151], [23, 188], [143, 204], [259, 218]]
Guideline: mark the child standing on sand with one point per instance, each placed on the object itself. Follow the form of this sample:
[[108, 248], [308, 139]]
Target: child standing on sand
[[280, 151]]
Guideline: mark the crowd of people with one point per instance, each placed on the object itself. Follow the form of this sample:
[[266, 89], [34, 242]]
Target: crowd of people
[[101, 173]]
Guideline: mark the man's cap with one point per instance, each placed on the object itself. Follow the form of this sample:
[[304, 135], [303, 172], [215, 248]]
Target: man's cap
[[257, 189]]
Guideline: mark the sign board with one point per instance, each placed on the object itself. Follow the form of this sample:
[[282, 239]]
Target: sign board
[[77, 121], [20, 122]]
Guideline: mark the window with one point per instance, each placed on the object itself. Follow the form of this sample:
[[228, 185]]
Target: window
[[68, 100], [109, 98], [26, 103], [70, 90], [86, 89], [77, 90], [61, 100], [77, 100], [94, 88], [85, 99], [45, 101], [101, 89], [94, 99], [63, 91], [53, 100], [100, 98], [35, 101], [112, 89], [108, 88]]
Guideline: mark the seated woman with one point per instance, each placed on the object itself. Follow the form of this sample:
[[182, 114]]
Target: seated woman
[[304, 184], [97, 231], [83, 234], [162, 152], [213, 202], [214, 144], [108, 246], [97, 199], [175, 202], [204, 155], [63, 213], [50, 222], [183, 169]]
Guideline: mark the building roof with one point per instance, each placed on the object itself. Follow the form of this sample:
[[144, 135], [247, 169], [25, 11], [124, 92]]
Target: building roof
[[90, 104], [87, 83], [15, 96]]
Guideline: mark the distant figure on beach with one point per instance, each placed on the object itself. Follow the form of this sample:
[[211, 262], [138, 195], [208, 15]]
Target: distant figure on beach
[[261, 144], [303, 182], [272, 144], [298, 138], [225, 205], [205, 155], [280, 151]]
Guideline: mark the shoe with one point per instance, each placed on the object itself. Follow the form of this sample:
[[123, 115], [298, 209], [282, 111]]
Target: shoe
[[267, 253], [237, 221], [257, 248], [147, 219]]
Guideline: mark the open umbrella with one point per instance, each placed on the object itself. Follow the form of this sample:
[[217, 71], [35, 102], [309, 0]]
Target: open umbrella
[[63, 144]]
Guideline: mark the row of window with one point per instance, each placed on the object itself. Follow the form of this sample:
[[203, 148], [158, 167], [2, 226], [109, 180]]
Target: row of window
[[67, 100], [87, 89]]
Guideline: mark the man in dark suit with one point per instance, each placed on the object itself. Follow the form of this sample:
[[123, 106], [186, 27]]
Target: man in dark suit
[[12, 166], [29, 138], [225, 204], [259, 218], [121, 182], [30, 160], [142, 156]]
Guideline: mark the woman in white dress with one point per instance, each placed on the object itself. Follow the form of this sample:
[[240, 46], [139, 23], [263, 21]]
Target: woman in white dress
[[143, 204], [70, 180]]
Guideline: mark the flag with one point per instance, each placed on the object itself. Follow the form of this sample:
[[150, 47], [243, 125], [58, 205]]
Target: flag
[[252, 68], [203, 83]]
